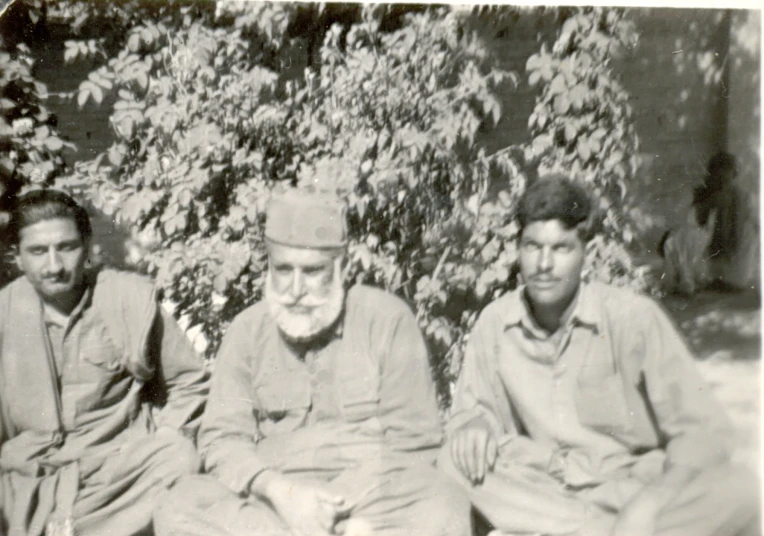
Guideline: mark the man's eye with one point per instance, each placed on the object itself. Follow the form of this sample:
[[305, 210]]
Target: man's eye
[[37, 251], [530, 246]]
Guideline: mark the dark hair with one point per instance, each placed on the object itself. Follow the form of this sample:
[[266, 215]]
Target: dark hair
[[556, 197], [720, 163], [40, 205], [716, 178]]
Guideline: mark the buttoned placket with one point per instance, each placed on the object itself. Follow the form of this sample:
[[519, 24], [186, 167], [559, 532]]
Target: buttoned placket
[[321, 382], [310, 359], [64, 359], [561, 403]]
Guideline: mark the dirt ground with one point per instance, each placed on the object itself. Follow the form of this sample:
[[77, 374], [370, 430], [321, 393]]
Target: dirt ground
[[724, 330]]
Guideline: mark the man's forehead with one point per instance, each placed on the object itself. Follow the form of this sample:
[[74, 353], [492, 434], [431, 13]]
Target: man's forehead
[[49, 231], [549, 229], [296, 255]]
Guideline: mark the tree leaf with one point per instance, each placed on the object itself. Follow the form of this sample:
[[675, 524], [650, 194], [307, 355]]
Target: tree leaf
[[116, 155], [561, 104], [97, 94], [558, 85], [134, 42], [82, 97], [54, 143], [584, 150]]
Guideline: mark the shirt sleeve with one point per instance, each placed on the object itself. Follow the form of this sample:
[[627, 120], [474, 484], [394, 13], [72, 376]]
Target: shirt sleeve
[[477, 397], [696, 428], [229, 432], [184, 377], [408, 405]]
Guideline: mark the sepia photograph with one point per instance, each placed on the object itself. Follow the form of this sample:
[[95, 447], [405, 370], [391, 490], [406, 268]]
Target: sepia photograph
[[394, 269]]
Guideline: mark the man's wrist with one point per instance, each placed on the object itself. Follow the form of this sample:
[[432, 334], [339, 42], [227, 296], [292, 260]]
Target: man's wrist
[[477, 421], [262, 484]]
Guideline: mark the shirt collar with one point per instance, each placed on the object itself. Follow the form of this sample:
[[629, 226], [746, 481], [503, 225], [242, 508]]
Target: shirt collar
[[588, 309], [586, 312]]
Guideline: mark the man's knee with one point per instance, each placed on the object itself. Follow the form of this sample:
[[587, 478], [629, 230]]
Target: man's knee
[[453, 508], [444, 508], [727, 496], [740, 488], [445, 465], [177, 511], [444, 462], [179, 456]]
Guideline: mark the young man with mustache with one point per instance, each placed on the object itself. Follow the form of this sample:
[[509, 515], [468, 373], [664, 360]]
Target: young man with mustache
[[579, 410], [322, 417], [100, 391]]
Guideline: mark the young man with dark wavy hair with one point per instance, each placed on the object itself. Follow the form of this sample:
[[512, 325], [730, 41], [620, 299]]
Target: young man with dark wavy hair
[[579, 409], [100, 391]]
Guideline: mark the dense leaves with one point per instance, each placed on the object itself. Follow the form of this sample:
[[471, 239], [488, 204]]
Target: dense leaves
[[30, 147], [209, 119], [582, 125]]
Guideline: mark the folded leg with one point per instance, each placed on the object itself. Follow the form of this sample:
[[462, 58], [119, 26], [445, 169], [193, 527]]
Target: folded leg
[[120, 497]]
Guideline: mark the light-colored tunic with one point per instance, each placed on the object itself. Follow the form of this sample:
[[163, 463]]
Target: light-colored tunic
[[586, 418], [80, 403], [355, 411]]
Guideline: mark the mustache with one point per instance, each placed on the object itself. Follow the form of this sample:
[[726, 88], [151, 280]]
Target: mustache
[[304, 301]]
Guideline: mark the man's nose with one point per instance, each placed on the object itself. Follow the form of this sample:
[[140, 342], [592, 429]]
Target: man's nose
[[54, 261], [546, 260], [298, 284]]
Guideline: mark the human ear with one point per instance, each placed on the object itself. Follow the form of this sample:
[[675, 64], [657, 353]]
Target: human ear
[[14, 256]]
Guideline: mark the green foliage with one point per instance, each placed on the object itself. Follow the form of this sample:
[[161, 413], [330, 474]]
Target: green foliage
[[207, 125]]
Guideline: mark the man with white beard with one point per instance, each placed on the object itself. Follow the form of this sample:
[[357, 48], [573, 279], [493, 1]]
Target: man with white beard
[[322, 417]]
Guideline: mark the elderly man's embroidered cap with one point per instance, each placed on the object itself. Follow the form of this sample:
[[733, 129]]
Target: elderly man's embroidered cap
[[306, 220]]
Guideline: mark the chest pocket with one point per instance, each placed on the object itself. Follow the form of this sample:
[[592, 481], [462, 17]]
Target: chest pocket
[[601, 404], [95, 377], [100, 360], [282, 407]]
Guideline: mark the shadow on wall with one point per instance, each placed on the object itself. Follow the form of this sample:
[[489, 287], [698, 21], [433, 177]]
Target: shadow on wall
[[744, 101], [686, 78], [693, 81]]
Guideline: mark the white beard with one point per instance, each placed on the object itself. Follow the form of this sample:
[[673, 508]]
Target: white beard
[[304, 326]]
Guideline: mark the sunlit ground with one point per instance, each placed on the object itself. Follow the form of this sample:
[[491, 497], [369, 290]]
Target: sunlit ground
[[724, 330]]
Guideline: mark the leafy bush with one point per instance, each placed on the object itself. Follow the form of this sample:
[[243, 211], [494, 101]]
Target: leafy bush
[[582, 125], [30, 147], [208, 124]]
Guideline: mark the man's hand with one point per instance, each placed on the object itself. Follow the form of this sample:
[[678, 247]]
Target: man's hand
[[307, 509], [474, 451]]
